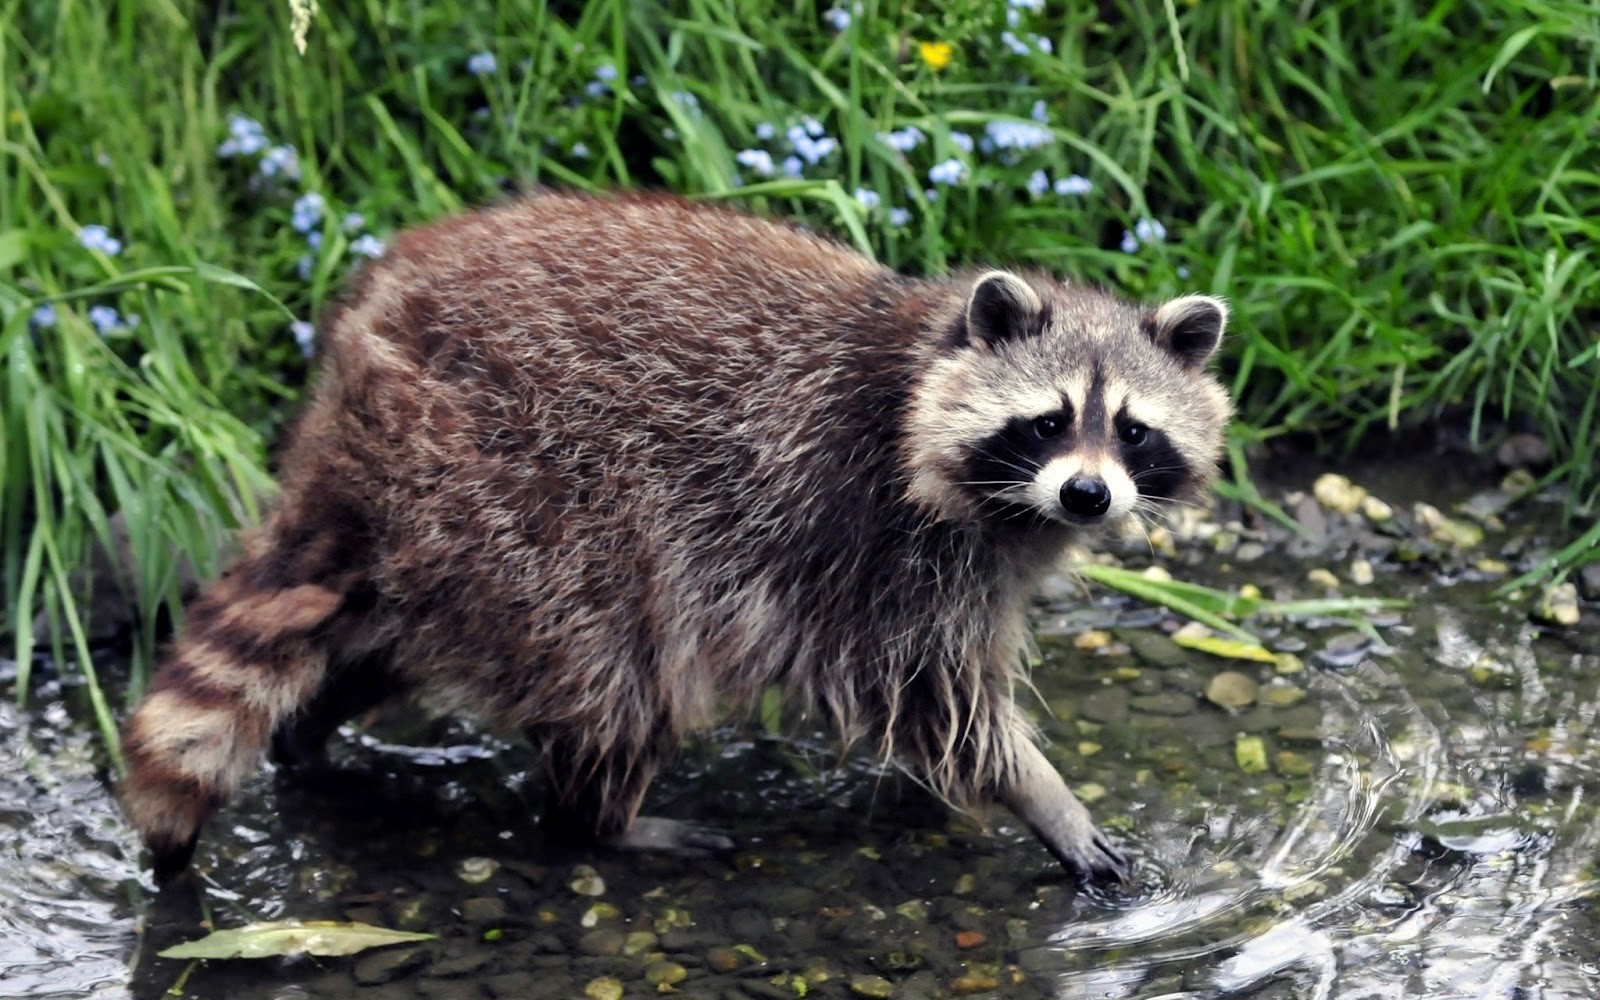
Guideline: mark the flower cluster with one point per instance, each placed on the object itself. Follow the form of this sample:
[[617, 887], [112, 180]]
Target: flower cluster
[[104, 318], [247, 139], [1145, 231], [98, 237], [807, 140], [1023, 45]]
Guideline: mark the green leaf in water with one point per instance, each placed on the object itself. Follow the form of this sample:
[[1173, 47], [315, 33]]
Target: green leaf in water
[[1231, 649], [277, 938]]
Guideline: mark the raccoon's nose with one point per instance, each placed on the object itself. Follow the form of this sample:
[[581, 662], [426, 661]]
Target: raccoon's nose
[[1086, 497]]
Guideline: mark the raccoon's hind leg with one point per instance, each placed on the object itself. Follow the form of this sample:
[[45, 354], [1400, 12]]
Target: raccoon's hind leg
[[597, 799], [251, 652]]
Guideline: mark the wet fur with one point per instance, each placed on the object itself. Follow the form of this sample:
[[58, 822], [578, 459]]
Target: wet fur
[[595, 469]]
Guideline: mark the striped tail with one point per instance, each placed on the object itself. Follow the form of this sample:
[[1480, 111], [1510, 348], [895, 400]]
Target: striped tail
[[247, 659]]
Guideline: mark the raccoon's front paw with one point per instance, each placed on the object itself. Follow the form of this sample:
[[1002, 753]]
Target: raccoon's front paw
[[672, 836], [1093, 858]]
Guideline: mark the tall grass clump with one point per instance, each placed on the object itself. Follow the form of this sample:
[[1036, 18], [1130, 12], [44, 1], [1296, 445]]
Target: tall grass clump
[[1400, 201]]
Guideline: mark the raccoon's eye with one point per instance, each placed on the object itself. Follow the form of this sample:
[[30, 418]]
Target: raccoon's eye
[[1135, 433], [1047, 427]]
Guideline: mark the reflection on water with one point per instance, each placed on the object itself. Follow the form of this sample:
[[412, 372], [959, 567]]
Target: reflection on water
[[1424, 827]]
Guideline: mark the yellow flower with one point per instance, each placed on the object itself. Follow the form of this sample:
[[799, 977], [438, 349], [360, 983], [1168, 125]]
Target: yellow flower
[[936, 55]]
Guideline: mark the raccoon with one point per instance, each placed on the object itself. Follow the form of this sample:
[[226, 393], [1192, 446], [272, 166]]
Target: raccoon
[[593, 468]]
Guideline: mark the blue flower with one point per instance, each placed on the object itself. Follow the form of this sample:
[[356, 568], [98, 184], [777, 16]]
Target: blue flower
[[1017, 135], [1015, 44], [594, 88], [793, 166], [899, 216], [104, 318], [1040, 112], [961, 141], [580, 150], [281, 161], [1130, 242], [949, 172], [304, 266], [1183, 272], [314, 240], [1076, 184], [1013, 18], [838, 17], [765, 131], [605, 71], [1149, 231], [685, 99], [353, 222], [809, 142], [482, 64], [304, 334], [44, 317], [868, 199], [756, 160], [368, 246], [96, 237], [245, 137], [1034, 5], [1038, 183], [905, 140], [307, 213]]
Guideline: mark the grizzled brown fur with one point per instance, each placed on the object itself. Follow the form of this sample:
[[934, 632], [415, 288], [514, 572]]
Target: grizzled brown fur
[[592, 468]]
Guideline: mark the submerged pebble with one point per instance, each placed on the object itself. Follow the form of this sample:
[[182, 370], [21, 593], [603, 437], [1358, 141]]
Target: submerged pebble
[[1338, 493], [604, 988], [1231, 689], [1344, 650], [871, 986], [1558, 605], [1361, 573], [587, 882]]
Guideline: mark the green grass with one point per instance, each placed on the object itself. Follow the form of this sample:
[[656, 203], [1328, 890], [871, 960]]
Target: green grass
[[1401, 201]]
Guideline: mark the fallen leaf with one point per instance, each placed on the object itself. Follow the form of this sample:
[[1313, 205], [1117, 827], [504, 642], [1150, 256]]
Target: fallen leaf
[[292, 937], [1232, 649]]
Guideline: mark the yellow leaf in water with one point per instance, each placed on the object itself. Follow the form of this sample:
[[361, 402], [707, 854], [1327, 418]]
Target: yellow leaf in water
[[1232, 649], [277, 938]]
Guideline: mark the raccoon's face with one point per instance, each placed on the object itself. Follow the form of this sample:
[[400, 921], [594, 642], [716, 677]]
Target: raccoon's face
[[1068, 405]]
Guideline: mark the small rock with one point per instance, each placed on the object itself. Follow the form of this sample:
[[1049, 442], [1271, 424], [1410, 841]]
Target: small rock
[[1523, 451], [1447, 530], [966, 884], [974, 982], [970, 939], [1589, 582], [1292, 765], [1250, 753], [1305, 891], [639, 943], [724, 959], [604, 988], [1108, 705], [1312, 520], [1361, 573], [1281, 695], [1338, 493], [1169, 703], [665, 974], [1249, 551], [1231, 689], [598, 913], [871, 986], [1491, 567], [1288, 663], [587, 882], [914, 910], [1376, 510], [605, 942], [1558, 605], [475, 871], [1323, 578], [1093, 639], [378, 967], [1344, 650], [483, 910]]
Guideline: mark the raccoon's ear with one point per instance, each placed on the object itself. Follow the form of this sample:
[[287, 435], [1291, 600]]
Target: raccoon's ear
[[1002, 306], [1190, 327]]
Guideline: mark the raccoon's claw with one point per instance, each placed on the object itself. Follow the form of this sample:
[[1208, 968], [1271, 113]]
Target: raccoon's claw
[[673, 836], [169, 859], [1097, 861]]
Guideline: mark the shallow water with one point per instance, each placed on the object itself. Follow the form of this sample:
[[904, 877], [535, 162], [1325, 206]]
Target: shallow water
[[1425, 828]]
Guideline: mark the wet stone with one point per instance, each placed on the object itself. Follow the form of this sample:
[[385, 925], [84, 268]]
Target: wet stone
[[448, 989], [1249, 551], [1154, 648], [603, 988], [1311, 518], [1281, 695], [1344, 650], [665, 974], [460, 963], [483, 910], [1107, 705], [1145, 685], [1169, 703], [1589, 582], [871, 986], [1231, 689], [606, 941], [378, 967]]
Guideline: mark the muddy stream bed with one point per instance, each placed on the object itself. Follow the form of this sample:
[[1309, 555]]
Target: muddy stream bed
[[1405, 806]]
